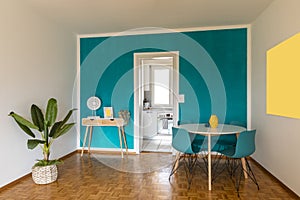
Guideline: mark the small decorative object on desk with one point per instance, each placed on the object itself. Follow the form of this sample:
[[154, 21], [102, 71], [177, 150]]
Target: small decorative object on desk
[[93, 103], [108, 112], [213, 121], [125, 115]]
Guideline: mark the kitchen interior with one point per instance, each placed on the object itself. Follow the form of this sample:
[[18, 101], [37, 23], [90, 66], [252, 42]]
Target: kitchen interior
[[157, 114]]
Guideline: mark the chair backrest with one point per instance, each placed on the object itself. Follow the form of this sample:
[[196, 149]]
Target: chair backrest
[[230, 138], [181, 140], [245, 145], [180, 122], [238, 123]]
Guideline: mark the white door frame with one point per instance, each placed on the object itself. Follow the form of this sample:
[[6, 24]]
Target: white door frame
[[139, 88]]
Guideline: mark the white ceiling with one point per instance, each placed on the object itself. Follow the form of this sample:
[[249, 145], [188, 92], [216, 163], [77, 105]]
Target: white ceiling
[[104, 16]]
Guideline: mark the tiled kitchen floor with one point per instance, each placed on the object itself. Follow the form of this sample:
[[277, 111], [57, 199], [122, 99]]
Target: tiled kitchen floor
[[158, 143]]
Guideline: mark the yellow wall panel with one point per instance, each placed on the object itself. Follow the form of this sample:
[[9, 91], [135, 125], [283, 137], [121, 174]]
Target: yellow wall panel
[[283, 78]]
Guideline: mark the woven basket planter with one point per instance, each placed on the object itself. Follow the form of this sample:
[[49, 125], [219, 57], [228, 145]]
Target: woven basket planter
[[44, 174]]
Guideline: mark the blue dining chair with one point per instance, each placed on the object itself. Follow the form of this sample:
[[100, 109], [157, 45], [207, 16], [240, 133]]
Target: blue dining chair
[[245, 146], [197, 140], [224, 141], [186, 156]]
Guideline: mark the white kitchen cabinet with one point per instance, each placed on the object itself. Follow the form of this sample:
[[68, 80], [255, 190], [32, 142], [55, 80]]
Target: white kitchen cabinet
[[149, 128]]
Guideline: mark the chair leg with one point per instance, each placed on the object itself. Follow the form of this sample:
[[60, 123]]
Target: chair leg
[[189, 162], [205, 168], [251, 174], [236, 166], [216, 167], [238, 179], [176, 165], [229, 167], [189, 166], [232, 166]]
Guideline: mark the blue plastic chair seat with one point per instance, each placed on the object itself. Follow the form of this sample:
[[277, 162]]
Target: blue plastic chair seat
[[229, 151], [217, 145], [228, 141], [244, 147]]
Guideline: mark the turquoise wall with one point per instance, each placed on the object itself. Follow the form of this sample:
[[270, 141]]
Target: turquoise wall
[[212, 67]]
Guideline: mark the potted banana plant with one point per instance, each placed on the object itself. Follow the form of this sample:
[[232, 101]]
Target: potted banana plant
[[48, 129]]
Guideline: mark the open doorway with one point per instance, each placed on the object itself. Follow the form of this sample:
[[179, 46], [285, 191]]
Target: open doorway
[[155, 100]]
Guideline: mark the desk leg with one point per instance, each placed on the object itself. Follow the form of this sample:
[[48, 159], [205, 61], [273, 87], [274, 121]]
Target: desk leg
[[85, 135], [120, 138], [209, 160], [124, 138], [90, 138], [243, 162]]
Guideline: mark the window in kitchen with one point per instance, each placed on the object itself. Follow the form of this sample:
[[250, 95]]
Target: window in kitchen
[[161, 86]]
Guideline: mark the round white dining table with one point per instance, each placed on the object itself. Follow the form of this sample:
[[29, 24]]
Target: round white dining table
[[207, 131]]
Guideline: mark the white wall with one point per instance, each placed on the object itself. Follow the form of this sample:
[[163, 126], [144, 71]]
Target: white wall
[[278, 138], [37, 61]]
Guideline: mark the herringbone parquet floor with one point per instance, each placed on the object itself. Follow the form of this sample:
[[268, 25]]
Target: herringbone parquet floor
[[86, 178]]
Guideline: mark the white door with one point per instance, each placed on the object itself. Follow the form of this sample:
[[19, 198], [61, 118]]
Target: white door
[[140, 86]]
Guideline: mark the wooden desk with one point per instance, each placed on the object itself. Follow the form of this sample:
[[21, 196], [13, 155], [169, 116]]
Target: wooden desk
[[90, 123]]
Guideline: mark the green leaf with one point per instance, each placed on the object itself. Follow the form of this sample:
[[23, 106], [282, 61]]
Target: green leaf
[[47, 162], [51, 111], [55, 128], [23, 121], [64, 129], [37, 117], [31, 144], [68, 115], [26, 129]]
